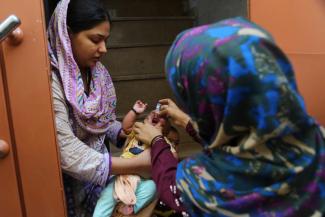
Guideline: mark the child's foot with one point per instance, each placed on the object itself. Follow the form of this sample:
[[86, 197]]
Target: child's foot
[[125, 209]]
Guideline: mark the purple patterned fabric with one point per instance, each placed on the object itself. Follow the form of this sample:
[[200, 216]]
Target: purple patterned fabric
[[94, 112]]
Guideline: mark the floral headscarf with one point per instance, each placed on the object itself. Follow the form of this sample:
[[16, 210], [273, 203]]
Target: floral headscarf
[[265, 154], [94, 112]]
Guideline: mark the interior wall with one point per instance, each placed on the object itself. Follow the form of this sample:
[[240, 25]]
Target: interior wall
[[209, 11], [297, 26]]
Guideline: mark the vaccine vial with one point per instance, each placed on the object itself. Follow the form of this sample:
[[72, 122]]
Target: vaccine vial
[[158, 107]]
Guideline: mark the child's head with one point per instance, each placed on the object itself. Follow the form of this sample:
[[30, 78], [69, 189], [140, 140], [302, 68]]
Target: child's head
[[154, 119]]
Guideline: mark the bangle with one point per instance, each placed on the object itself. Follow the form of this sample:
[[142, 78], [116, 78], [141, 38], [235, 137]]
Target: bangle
[[132, 109]]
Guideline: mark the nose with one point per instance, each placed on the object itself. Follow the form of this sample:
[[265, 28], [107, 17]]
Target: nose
[[102, 48]]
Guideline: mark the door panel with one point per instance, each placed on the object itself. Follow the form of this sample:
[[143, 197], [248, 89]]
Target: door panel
[[297, 26], [9, 194], [26, 68]]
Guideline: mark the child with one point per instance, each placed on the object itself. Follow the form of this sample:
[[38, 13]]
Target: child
[[132, 190]]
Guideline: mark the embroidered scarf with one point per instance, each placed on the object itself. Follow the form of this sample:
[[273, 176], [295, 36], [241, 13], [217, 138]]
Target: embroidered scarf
[[265, 155], [94, 112]]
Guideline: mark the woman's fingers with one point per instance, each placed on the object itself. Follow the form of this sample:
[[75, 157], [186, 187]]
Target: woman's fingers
[[147, 120], [137, 124], [166, 101], [163, 107], [164, 113], [137, 127], [145, 132], [176, 115], [167, 110], [163, 101], [158, 126]]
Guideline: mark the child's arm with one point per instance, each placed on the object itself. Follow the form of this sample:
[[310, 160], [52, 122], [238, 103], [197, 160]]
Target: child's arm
[[130, 118]]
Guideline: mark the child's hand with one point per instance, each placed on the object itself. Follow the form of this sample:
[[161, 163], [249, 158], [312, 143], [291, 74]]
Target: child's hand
[[139, 106]]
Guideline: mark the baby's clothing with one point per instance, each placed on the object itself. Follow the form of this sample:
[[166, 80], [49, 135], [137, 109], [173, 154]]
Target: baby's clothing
[[145, 193], [133, 146], [129, 189]]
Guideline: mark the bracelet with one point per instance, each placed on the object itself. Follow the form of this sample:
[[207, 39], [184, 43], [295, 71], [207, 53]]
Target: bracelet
[[132, 109], [155, 139]]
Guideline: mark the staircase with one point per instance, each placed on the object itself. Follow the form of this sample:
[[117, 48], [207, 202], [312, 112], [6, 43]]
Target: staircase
[[142, 32]]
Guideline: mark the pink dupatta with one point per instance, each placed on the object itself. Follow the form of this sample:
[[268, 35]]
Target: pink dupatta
[[94, 112]]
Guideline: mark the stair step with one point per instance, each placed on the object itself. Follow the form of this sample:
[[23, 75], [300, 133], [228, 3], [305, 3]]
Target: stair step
[[140, 32], [116, 19], [145, 7], [139, 77], [135, 60], [149, 91]]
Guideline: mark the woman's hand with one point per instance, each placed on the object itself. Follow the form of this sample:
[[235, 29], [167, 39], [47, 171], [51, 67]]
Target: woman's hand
[[170, 109], [145, 132]]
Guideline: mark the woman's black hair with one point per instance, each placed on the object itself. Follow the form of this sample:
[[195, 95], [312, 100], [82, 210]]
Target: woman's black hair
[[85, 14]]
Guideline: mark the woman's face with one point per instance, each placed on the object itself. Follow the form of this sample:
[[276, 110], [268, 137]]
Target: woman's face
[[89, 46]]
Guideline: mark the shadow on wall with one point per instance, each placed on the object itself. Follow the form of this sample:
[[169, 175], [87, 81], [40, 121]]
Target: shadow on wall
[[209, 11]]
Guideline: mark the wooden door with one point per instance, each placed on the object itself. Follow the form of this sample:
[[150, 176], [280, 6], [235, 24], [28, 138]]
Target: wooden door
[[297, 26], [30, 180], [9, 193]]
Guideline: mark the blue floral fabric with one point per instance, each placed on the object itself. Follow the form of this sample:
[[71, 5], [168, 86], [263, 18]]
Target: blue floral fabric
[[265, 156]]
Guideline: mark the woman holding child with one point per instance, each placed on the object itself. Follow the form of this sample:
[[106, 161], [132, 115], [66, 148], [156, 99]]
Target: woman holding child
[[84, 104]]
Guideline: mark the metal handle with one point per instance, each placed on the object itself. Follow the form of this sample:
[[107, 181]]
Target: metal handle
[[8, 26], [4, 149]]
